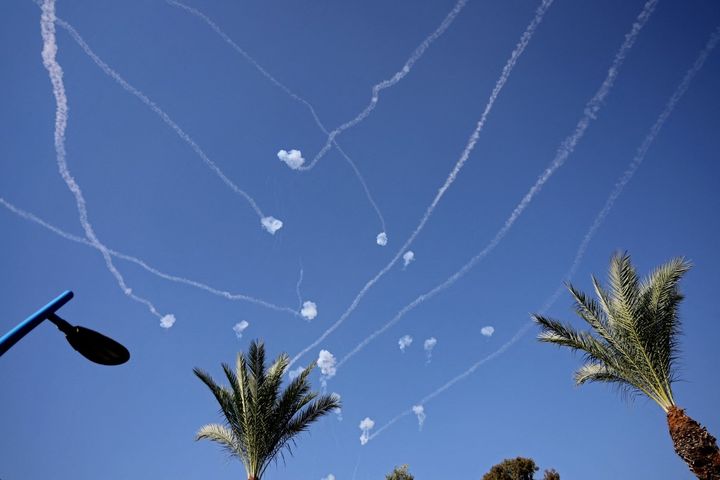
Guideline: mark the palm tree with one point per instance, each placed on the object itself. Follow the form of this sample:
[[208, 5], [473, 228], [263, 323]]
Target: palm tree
[[633, 344], [260, 420]]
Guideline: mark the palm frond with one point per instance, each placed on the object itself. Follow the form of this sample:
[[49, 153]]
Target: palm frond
[[555, 332], [636, 323], [262, 419]]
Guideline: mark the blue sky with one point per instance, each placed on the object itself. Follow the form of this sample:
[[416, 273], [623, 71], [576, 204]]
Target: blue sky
[[149, 195]]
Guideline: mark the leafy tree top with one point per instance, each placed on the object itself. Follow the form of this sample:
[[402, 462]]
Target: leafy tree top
[[400, 473], [519, 468]]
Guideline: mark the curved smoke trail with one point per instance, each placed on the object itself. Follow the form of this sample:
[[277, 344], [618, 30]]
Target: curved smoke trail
[[55, 72], [567, 146], [502, 80], [392, 81], [142, 264], [582, 248]]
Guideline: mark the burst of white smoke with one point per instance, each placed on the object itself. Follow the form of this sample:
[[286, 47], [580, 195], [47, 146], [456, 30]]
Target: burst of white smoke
[[404, 342], [419, 411], [329, 477], [428, 346], [167, 321], [295, 372], [309, 310], [293, 158], [271, 224], [365, 426], [326, 361], [338, 411], [240, 327], [381, 239], [487, 331], [408, 257]]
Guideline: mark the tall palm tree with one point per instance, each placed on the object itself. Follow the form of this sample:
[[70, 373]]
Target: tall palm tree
[[260, 420], [633, 344]]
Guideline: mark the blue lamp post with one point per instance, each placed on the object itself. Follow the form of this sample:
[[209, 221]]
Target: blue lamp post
[[94, 346]]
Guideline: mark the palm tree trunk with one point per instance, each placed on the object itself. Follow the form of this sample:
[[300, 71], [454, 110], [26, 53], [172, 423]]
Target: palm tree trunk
[[694, 445]]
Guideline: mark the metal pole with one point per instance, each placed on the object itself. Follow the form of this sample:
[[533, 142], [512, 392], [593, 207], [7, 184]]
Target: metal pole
[[23, 328]]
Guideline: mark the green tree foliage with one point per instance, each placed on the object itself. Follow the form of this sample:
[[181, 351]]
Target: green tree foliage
[[633, 343], [400, 473], [551, 475], [260, 419], [519, 468]]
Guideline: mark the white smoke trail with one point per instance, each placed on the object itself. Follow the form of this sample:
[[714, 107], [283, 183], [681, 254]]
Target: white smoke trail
[[567, 146], [141, 263], [49, 52], [197, 13], [392, 81], [167, 120], [582, 248], [297, 288], [507, 70]]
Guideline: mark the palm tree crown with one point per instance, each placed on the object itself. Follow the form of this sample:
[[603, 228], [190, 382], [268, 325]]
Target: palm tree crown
[[633, 341], [260, 419]]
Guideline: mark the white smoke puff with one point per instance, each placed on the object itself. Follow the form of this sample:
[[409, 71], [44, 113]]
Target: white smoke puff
[[295, 372], [329, 477], [366, 425], [327, 361], [240, 327], [419, 410], [487, 331], [293, 158], [167, 321], [309, 310], [338, 411], [271, 224], [404, 342], [428, 345], [381, 239], [408, 257]]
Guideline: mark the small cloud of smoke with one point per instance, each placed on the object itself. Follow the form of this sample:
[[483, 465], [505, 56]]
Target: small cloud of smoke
[[408, 257], [487, 331], [428, 345], [366, 425], [167, 321], [240, 327], [381, 239], [293, 158], [404, 342], [271, 224], [309, 310], [294, 373], [338, 411], [326, 361], [329, 477], [419, 410]]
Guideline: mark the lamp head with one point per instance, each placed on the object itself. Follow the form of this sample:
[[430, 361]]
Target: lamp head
[[96, 347], [92, 345]]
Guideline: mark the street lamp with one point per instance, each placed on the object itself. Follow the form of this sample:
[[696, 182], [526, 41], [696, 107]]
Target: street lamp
[[92, 345]]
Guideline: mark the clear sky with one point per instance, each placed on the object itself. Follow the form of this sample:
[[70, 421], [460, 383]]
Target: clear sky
[[168, 162]]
